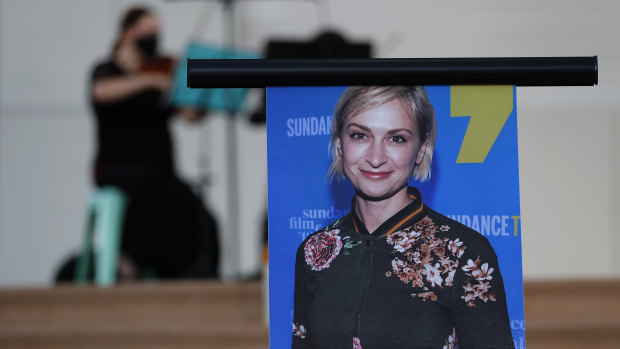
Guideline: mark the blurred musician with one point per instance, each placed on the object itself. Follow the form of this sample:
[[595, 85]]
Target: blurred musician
[[167, 230]]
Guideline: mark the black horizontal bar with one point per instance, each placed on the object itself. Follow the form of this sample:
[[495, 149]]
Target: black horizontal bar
[[520, 71]]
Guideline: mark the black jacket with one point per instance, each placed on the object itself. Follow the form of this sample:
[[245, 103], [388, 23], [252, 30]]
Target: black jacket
[[421, 280]]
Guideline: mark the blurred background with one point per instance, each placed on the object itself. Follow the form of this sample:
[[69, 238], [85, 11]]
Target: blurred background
[[568, 149]]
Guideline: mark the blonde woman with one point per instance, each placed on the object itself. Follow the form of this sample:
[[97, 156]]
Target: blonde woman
[[393, 273]]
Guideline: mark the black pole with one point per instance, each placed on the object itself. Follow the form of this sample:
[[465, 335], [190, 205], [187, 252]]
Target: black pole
[[520, 71]]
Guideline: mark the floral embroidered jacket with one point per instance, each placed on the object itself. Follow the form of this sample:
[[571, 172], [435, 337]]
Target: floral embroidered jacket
[[421, 280]]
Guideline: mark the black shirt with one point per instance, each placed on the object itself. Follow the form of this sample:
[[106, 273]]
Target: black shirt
[[421, 280], [134, 129]]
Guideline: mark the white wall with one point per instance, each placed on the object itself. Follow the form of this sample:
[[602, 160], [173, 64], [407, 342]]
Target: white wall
[[569, 155]]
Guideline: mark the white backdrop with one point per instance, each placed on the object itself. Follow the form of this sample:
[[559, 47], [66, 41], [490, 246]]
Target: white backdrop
[[569, 152]]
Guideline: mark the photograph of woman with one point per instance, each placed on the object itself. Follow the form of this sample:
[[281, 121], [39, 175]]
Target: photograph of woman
[[393, 273]]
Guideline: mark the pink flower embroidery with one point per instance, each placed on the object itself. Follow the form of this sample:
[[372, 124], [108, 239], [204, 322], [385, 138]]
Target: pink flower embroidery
[[356, 343], [299, 330], [480, 290], [425, 255], [456, 247], [471, 265], [452, 341], [402, 240], [433, 275], [484, 273], [426, 296], [450, 277], [321, 249]]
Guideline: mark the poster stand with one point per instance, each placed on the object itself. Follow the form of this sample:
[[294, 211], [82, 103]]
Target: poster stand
[[448, 100], [520, 71]]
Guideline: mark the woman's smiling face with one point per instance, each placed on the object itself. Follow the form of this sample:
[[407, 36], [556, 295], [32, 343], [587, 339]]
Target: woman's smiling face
[[379, 148]]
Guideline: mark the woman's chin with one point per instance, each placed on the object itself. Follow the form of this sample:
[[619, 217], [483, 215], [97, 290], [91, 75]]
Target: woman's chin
[[375, 193]]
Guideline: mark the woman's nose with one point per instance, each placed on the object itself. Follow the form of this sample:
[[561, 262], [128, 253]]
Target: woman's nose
[[376, 154]]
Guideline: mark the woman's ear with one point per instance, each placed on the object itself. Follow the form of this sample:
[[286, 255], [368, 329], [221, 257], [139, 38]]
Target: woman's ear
[[338, 147], [422, 150]]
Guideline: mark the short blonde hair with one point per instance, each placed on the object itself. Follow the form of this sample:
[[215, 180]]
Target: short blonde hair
[[414, 99]]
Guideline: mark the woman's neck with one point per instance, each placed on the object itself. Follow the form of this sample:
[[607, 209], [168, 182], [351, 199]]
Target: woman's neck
[[374, 213]]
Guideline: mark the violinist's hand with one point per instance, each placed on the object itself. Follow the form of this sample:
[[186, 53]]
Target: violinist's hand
[[160, 82], [190, 114]]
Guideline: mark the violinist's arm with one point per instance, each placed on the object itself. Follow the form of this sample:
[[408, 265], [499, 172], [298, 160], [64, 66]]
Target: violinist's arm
[[114, 89]]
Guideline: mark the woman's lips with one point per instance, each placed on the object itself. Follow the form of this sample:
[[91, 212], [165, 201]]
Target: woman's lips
[[375, 175]]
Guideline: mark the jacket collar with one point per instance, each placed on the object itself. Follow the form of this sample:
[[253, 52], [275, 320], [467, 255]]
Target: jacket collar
[[409, 214]]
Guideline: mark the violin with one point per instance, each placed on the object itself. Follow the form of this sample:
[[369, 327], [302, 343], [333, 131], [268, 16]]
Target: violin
[[158, 65]]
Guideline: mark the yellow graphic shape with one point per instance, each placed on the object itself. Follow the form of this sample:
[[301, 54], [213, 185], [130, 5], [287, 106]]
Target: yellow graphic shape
[[488, 107], [516, 220]]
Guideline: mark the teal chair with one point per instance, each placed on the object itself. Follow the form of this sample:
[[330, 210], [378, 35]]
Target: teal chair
[[104, 227]]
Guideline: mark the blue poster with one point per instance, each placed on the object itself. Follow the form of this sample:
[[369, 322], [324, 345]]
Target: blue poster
[[394, 217]]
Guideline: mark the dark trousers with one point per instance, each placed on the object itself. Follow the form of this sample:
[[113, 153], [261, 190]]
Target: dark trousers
[[167, 228]]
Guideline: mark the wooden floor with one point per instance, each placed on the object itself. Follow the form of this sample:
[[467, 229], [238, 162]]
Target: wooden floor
[[571, 314], [158, 315]]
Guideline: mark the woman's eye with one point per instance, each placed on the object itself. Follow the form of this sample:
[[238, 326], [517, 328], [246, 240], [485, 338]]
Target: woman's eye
[[358, 136], [397, 139]]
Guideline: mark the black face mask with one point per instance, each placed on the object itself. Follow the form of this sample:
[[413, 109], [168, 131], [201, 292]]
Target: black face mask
[[148, 45]]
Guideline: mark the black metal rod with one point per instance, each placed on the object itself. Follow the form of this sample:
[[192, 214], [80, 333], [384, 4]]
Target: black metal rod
[[520, 71]]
